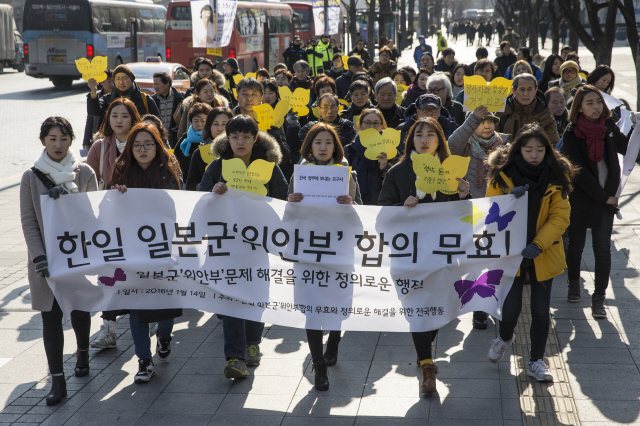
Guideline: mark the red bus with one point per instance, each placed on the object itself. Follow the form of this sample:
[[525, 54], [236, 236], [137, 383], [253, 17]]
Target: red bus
[[261, 33], [303, 24]]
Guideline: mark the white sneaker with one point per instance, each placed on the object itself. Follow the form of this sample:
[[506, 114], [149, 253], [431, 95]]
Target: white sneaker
[[496, 351], [107, 338], [539, 371]]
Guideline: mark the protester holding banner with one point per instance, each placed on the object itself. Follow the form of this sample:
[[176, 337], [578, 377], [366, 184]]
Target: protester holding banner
[[370, 173], [399, 189], [531, 166], [214, 126], [243, 140], [592, 141], [192, 140], [205, 92], [524, 106], [322, 147], [146, 163], [57, 172]]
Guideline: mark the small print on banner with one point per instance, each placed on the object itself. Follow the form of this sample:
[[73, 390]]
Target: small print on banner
[[320, 184]]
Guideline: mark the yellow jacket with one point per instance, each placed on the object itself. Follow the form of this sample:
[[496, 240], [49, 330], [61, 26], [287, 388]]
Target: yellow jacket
[[553, 220]]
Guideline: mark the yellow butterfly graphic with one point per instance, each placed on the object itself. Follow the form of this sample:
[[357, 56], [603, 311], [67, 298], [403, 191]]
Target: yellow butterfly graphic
[[250, 179], [477, 92], [377, 143], [94, 69], [206, 155], [266, 116], [434, 176], [299, 99], [474, 217]]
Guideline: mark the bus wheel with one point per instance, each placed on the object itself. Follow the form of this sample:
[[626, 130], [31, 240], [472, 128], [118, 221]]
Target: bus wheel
[[254, 67]]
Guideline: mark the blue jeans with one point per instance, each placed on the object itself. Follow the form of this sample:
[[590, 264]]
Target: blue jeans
[[540, 303], [238, 334], [140, 333]]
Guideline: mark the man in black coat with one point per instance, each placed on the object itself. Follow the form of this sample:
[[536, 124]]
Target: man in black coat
[[294, 53], [386, 92], [507, 59], [362, 52], [125, 87], [343, 82]]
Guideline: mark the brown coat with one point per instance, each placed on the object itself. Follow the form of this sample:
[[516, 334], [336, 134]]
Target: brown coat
[[31, 188], [515, 117], [109, 160]]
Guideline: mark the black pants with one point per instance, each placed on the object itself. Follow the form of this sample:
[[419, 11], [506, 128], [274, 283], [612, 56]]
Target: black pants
[[53, 336], [314, 338], [540, 302], [601, 242], [422, 340]]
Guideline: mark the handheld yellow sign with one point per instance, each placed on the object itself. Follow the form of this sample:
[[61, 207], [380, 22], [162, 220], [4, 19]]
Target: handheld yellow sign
[[206, 154], [235, 93], [493, 95], [401, 89], [345, 58], [250, 75], [377, 143], [344, 104], [249, 179], [356, 121], [266, 116], [299, 99], [434, 176], [94, 69], [238, 78]]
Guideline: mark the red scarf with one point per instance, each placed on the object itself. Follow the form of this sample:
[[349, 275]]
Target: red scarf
[[593, 133]]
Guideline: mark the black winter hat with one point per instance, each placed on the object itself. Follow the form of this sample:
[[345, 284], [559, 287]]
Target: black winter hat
[[233, 63]]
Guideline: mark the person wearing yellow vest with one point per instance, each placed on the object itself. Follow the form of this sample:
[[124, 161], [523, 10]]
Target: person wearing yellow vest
[[442, 42], [315, 55], [327, 51]]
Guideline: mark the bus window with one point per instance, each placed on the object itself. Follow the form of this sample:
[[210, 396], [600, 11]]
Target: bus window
[[181, 13], [119, 21]]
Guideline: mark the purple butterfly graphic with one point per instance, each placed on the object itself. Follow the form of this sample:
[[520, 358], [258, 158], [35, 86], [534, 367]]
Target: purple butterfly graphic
[[119, 275], [484, 286], [494, 217]]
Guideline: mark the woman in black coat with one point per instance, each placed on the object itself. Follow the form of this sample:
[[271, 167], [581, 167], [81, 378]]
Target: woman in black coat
[[399, 189], [592, 142]]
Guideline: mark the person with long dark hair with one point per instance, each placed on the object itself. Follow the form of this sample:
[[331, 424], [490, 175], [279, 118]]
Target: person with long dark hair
[[417, 88], [592, 141], [531, 166], [399, 189], [146, 163], [551, 71], [57, 172]]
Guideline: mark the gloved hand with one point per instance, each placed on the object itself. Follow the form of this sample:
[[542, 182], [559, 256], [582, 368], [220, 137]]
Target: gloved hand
[[531, 251], [519, 191], [274, 132], [42, 266], [56, 191], [293, 120]]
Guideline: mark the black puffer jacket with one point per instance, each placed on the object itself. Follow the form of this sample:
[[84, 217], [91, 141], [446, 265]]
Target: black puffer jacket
[[296, 135], [99, 105]]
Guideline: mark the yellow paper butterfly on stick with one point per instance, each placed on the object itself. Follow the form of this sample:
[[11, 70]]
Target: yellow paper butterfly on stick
[[434, 176], [266, 116], [206, 154], [493, 95], [401, 89], [377, 143], [250, 179], [299, 99], [250, 75], [238, 78], [474, 217], [94, 69]]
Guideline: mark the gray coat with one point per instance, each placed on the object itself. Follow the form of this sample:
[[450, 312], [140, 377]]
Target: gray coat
[[457, 143], [31, 188]]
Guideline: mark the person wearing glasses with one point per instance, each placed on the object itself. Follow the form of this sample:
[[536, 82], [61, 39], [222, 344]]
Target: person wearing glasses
[[369, 173], [428, 105], [146, 163], [440, 85]]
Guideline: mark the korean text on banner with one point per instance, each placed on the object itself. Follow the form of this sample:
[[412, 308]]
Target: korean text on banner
[[332, 19], [212, 22], [316, 266]]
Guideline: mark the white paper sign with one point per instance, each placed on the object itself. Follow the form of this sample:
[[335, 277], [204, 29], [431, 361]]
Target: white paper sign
[[611, 101], [321, 184], [629, 160], [315, 266]]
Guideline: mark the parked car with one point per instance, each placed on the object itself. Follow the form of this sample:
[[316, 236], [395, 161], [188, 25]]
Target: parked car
[[144, 75]]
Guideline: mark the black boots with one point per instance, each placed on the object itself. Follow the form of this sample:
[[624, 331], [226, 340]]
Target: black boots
[[58, 390], [597, 306], [82, 364], [574, 291], [331, 354], [322, 376]]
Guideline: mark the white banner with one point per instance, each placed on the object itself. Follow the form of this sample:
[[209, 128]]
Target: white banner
[[301, 265], [212, 22], [332, 18]]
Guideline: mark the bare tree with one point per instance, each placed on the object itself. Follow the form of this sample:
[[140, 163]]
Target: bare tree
[[626, 7], [371, 30], [600, 41], [505, 9], [402, 41], [555, 27], [353, 26]]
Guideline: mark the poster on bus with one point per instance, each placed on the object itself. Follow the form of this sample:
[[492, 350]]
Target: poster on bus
[[212, 22], [332, 19]]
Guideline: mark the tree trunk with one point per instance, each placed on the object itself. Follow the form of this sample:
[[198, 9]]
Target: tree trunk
[[534, 13], [403, 25], [412, 9], [555, 27], [424, 16], [371, 31], [628, 13], [574, 39], [353, 25]]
